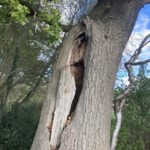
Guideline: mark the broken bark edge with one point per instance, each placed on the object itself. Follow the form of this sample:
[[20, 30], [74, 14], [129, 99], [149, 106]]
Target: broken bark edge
[[88, 24], [76, 71]]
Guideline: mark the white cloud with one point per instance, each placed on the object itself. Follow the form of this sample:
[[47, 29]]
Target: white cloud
[[125, 81], [139, 32], [141, 23]]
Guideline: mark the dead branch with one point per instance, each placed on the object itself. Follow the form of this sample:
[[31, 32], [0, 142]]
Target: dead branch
[[140, 62], [121, 99], [116, 130], [128, 65]]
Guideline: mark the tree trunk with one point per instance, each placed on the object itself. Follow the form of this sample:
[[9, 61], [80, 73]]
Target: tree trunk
[[6, 85], [110, 27]]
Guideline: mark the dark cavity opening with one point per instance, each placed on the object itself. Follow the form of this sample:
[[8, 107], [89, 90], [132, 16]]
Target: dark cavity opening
[[77, 67]]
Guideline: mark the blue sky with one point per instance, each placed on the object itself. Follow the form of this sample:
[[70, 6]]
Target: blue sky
[[143, 20], [141, 29]]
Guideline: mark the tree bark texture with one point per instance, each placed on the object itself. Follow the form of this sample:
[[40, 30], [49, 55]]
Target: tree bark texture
[[111, 27]]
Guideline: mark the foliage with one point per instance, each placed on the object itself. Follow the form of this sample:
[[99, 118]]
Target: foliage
[[135, 131], [19, 125], [32, 30], [27, 67], [29, 36], [16, 11], [41, 19]]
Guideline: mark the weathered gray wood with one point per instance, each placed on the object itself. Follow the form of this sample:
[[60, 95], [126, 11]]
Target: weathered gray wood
[[117, 129], [41, 139], [65, 95]]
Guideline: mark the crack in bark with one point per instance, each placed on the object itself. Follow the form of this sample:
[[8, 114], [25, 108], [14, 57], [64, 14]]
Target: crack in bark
[[76, 70]]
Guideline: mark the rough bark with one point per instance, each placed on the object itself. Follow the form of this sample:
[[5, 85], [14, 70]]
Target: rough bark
[[112, 24]]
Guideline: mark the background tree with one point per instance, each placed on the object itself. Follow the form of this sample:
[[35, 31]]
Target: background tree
[[30, 33], [135, 131]]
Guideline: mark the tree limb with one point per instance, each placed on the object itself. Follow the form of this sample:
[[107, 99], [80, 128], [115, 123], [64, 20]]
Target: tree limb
[[33, 89], [128, 66], [140, 62], [117, 129], [10, 78], [120, 100]]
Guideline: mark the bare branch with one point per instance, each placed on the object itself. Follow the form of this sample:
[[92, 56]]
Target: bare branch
[[139, 49], [128, 66], [116, 131], [124, 94], [36, 85], [140, 62], [120, 100]]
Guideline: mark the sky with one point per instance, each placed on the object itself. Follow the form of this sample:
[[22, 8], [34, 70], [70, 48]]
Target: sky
[[141, 29], [143, 20]]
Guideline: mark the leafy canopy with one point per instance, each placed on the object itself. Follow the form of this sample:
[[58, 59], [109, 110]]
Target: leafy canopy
[[40, 17]]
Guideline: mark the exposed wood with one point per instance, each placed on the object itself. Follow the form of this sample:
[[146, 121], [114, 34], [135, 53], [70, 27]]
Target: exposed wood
[[41, 140], [65, 95], [69, 89], [117, 129]]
